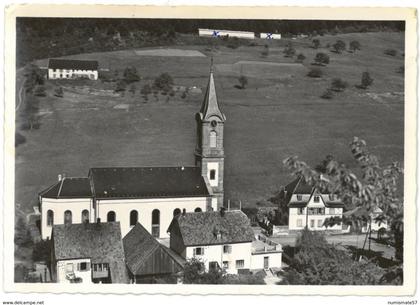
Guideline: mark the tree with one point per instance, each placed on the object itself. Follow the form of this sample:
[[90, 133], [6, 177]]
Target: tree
[[338, 85], [315, 72], [58, 92], [300, 58], [289, 51], [354, 45], [40, 91], [376, 188], [316, 43], [322, 59], [33, 77], [130, 75], [243, 80], [163, 82], [339, 46], [366, 80]]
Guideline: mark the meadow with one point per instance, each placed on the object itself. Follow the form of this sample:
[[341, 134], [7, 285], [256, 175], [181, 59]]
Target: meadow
[[279, 114]]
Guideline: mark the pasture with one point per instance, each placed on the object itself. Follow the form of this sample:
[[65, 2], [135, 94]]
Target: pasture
[[278, 114]]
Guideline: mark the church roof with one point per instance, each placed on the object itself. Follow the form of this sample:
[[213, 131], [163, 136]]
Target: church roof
[[141, 249], [101, 242], [71, 64], [147, 182], [69, 188], [201, 228], [210, 105]]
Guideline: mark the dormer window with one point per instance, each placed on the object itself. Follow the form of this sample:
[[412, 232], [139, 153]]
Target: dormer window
[[299, 197]]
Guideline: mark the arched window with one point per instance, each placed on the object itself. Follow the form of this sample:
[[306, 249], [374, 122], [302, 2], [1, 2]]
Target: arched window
[[68, 217], [198, 210], [156, 223], [213, 138], [177, 212], [213, 174], [134, 217], [85, 216], [110, 217], [50, 218]]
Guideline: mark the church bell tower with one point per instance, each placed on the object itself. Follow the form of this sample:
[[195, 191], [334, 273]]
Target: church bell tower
[[209, 153]]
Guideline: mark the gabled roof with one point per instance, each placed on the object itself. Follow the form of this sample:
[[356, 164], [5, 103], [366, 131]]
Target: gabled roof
[[72, 64], [210, 106], [147, 182], [141, 249], [101, 242], [68, 188], [201, 228]]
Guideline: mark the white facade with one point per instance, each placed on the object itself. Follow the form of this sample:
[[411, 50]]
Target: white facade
[[59, 207], [220, 33], [270, 36], [313, 215], [74, 268], [236, 256], [265, 260], [72, 73]]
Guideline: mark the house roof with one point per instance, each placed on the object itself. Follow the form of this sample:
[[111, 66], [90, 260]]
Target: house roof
[[210, 106], [101, 242], [147, 182], [72, 64], [69, 188], [200, 228], [140, 245]]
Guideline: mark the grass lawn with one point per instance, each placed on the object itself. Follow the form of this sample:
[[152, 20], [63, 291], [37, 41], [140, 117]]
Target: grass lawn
[[278, 115]]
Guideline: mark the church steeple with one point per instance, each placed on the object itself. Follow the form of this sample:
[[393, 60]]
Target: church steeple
[[209, 154]]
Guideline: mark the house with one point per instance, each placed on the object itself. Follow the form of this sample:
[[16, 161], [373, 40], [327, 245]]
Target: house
[[147, 260], [72, 68], [88, 253], [221, 240], [149, 195], [229, 33], [309, 208]]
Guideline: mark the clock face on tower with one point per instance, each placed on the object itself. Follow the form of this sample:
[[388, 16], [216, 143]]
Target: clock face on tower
[[213, 123]]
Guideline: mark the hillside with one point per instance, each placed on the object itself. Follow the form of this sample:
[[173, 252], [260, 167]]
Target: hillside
[[279, 114]]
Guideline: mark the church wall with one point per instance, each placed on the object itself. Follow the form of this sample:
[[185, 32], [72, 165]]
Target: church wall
[[145, 207], [59, 206]]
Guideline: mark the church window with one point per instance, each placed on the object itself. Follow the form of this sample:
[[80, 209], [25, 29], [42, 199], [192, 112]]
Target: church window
[[110, 217], [85, 216], [50, 218], [156, 223], [198, 210], [177, 212], [212, 174], [134, 217], [68, 217], [213, 138]]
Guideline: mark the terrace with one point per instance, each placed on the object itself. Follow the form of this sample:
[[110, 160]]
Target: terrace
[[264, 245]]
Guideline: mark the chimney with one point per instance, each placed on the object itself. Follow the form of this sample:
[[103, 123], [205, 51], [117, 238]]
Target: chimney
[[98, 220], [60, 177], [184, 212], [222, 211]]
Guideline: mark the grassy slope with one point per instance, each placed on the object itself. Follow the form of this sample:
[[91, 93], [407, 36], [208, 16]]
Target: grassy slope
[[270, 120]]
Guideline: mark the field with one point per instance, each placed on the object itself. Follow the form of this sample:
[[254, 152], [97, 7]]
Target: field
[[279, 114]]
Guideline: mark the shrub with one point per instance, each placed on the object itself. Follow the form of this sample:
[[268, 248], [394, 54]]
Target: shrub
[[163, 82], [339, 46], [289, 51], [390, 52], [322, 59], [315, 72], [130, 75], [316, 43], [243, 80], [328, 94], [338, 85], [354, 45], [366, 80], [120, 86], [300, 58]]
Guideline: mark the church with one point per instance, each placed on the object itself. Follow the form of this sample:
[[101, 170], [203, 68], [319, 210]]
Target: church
[[151, 196]]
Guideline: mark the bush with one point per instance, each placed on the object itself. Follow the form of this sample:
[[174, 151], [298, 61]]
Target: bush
[[322, 59], [130, 75], [316, 43], [366, 80], [328, 94], [243, 80], [339, 46], [300, 58], [289, 51], [390, 52], [315, 72], [163, 82], [121, 86], [354, 45], [338, 85]]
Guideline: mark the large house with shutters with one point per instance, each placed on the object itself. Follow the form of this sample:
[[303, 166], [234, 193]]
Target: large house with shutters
[[151, 196], [309, 208], [72, 69]]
